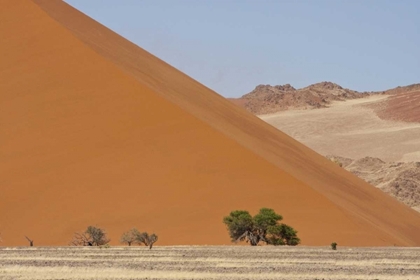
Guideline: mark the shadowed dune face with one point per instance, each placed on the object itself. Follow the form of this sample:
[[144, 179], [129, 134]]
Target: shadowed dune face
[[96, 131]]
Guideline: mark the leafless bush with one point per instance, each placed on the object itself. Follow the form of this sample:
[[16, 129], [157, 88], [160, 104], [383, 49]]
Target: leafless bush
[[31, 242], [130, 237], [93, 236], [81, 239], [146, 239]]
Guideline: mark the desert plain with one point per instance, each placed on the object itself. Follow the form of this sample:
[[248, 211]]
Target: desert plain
[[210, 262]]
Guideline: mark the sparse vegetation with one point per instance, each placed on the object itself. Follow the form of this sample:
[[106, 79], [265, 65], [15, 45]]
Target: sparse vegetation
[[135, 236], [336, 161], [210, 262], [106, 246], [31, 242], [129, 237], [334, 246], [92, 236], [263, 227], [147, 239]]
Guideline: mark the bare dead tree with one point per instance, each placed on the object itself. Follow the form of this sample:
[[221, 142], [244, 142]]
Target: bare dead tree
[[146, 239], [97, 235], [93, 236], [130, 236], [80, 239], [31, 242], [152, 240]]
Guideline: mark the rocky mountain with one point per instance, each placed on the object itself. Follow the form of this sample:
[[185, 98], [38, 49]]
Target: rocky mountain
[[267, 99], [399, 179], [381, 131]]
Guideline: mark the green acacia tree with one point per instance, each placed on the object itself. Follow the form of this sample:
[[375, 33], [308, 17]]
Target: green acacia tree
[[264, 227], [238, 222]]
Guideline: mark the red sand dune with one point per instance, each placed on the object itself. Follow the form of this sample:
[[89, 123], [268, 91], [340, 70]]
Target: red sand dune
[[96, 131]]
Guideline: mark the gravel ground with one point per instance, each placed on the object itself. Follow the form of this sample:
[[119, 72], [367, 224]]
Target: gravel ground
[[209, 262]]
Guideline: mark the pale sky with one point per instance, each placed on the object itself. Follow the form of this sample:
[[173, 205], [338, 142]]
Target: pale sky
[[232, 46]]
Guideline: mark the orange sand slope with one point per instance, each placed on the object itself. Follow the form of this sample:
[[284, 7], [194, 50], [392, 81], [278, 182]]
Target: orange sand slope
[[96, 131]]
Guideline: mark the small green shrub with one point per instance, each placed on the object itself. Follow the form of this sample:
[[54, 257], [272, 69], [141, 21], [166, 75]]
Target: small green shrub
[[106, 246], [334, 246], [336, 161]]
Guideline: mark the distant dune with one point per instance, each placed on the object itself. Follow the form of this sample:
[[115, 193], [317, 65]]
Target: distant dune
[[96, 131]]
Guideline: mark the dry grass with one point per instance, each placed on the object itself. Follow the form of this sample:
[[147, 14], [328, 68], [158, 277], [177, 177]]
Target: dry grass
[[208, 262]]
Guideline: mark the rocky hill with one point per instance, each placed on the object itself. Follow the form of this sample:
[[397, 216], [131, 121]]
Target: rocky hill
[[399, 179], [266, 99], [381, 131]]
